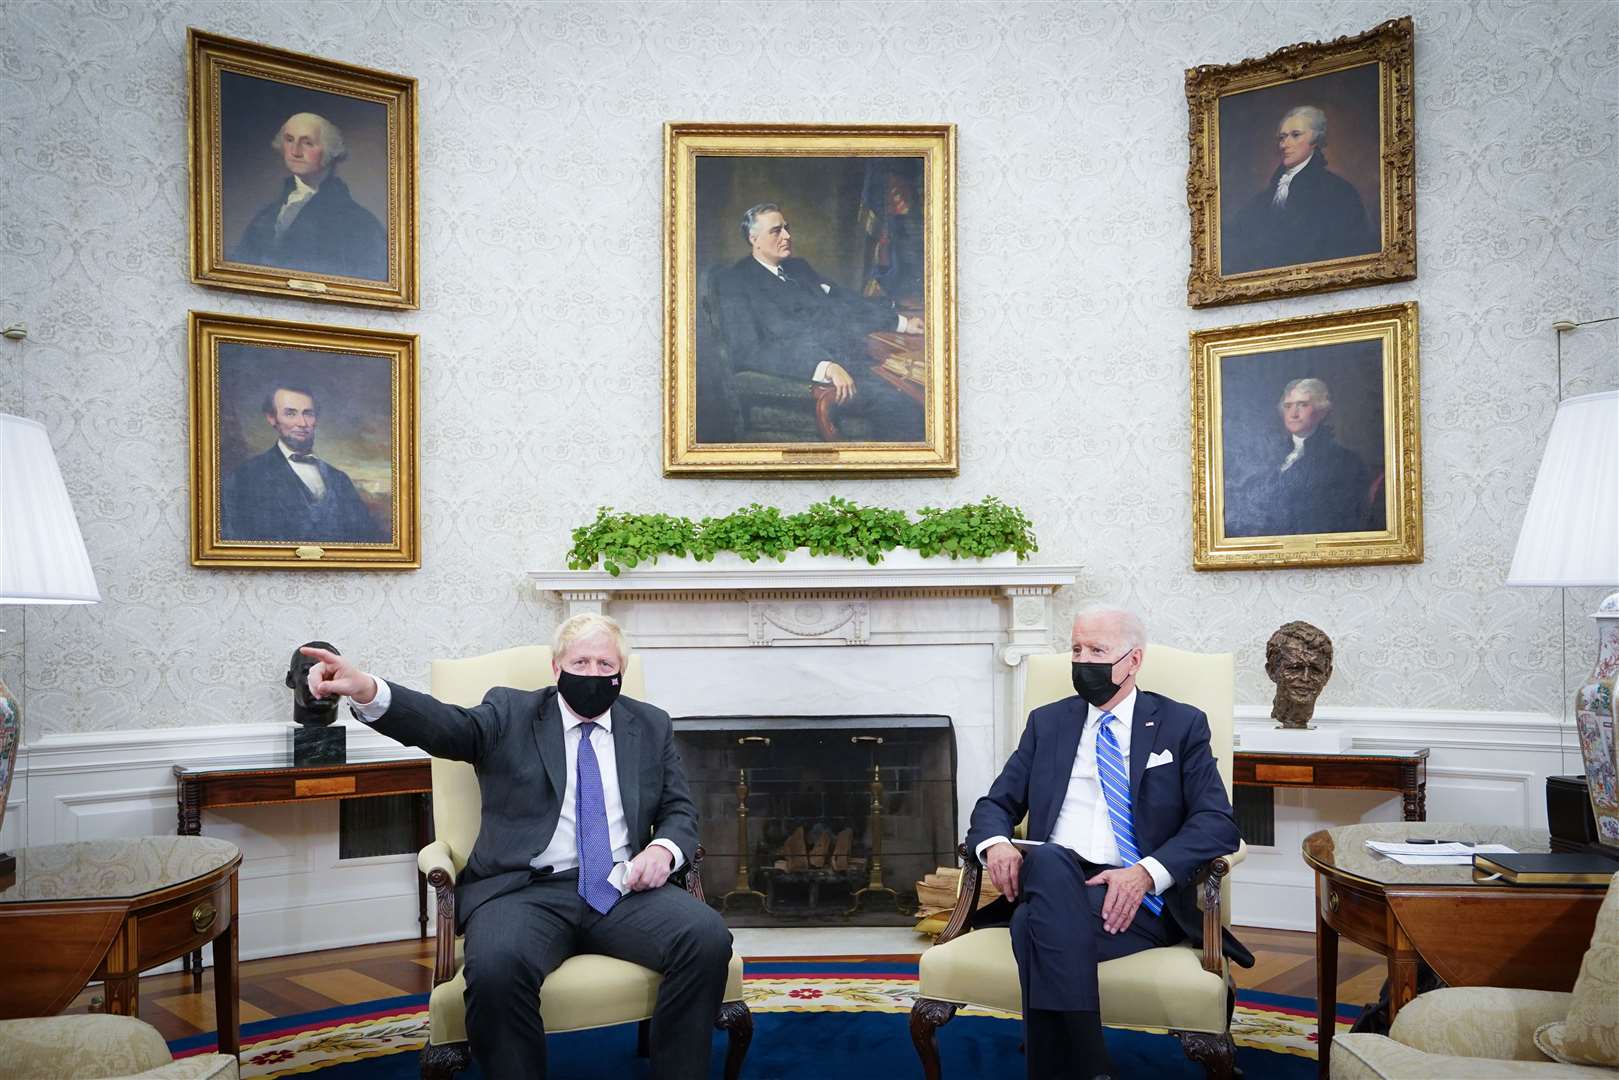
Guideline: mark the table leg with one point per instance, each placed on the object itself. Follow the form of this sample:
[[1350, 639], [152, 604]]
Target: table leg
[[188, 822], [423, 806], [227, 989], [1326, 984], [1403, 964], [121, 995]]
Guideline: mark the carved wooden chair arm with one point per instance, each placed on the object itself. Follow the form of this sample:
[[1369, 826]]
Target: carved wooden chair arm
[[436, 862], [1207, 880], [966, 897]]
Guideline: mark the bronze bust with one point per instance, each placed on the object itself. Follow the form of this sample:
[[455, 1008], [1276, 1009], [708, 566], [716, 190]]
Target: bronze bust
[[1298, 659], [306, 708]]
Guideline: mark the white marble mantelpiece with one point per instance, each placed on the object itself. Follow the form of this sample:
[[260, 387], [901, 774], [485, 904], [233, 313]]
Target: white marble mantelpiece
[[831, 636]]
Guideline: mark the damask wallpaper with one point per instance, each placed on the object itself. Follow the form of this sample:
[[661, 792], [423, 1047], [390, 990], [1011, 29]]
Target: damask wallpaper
[[540, 319]]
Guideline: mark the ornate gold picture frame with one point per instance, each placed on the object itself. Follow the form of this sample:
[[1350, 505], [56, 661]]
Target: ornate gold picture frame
[[1302, 175], [809, 296], [1307, 442], [303, 175], [303, 445]]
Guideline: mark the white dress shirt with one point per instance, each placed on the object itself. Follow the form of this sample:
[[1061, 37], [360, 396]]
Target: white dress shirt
[[300, 194], [309, 473], [820, 369], [562, 853], [1298, 451], [1083, 825], [1280, 198]]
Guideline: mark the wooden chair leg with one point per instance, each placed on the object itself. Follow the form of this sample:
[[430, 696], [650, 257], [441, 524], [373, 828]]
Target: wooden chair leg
[[445, 1060], [643, 1039], [927, 1017], [736, 1021], [1216, 1052]]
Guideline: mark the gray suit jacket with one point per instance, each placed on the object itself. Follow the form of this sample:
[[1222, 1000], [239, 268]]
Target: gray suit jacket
[[514, 741]]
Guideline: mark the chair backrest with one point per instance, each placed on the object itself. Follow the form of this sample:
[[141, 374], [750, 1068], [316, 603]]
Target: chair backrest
[[457, 803], [1206, 680]]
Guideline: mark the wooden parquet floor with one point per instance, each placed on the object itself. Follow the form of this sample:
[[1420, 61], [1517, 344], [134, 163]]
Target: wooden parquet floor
[[286, 985]]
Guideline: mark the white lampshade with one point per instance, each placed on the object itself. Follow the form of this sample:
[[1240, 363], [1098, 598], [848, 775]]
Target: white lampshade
[[42, 556], [1570, 535]]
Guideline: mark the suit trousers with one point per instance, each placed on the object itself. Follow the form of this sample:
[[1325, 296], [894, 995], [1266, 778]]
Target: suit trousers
[[515, 940], [1058, 940]]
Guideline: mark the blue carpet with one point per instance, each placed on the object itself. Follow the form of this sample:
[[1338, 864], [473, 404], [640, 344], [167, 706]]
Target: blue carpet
[[813, 1046]]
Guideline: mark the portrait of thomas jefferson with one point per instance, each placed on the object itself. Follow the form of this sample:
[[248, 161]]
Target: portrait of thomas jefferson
[[1301, 479], [1306, 213], [313, 224]]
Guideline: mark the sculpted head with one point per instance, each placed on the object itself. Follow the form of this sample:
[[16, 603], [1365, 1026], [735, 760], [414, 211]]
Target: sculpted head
[[1298, 659], [1301, 133], [306, 708]]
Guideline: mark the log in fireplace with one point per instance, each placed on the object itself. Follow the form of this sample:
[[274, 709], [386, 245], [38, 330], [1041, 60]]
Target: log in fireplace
[[820, 820]]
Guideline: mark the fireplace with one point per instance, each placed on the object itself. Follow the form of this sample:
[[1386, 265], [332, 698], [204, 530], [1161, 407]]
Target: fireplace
[[821, 820]]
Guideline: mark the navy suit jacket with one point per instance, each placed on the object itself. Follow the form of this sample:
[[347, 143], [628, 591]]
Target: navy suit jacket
[[789, 329], [1182, 815], [263, 499], [514, 742]]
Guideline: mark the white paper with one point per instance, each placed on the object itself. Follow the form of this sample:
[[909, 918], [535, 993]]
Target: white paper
[[1027, 843], [1435, 854]]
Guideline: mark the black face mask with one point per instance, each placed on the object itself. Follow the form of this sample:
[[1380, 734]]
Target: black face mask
[[1094, 681], [589, 695]]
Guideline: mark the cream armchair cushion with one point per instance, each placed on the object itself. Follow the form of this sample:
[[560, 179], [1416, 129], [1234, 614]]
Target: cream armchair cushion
[[586, 991], [1590, 1034], [98, 1047]]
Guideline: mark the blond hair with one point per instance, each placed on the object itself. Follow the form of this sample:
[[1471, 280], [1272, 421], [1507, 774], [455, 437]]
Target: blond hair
[[587, 625]]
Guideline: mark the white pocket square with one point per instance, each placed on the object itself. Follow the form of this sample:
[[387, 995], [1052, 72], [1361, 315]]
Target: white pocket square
[[1162, 757]]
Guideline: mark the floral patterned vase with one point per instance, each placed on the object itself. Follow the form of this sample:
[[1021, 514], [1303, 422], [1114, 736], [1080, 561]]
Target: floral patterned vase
[[1594, 712], [10, 736]]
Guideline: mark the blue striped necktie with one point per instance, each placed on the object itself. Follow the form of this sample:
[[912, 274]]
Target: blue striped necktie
[[590, 821], [1116, 789]]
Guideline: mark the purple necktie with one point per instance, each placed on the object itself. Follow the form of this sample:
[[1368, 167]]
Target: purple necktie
[[590, 820]]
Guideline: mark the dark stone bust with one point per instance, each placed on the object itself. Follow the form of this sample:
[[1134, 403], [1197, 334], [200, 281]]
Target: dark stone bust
[[307, 710], [1298, 659]]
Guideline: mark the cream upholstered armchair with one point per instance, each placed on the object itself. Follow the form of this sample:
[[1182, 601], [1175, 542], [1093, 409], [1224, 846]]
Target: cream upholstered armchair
[[1489, 1031], [588, 990], [1185, 990], [99, 1047]]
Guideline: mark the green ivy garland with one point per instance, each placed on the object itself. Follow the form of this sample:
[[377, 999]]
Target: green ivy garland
[[834, 527]]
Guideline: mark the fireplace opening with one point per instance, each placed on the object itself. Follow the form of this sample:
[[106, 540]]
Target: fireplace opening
[[820, 820]]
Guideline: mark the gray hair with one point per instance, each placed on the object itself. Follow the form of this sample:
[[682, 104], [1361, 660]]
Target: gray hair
[[1130, 624], [331, 136], [1314, 387], [751, 218], [1315, 118]]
